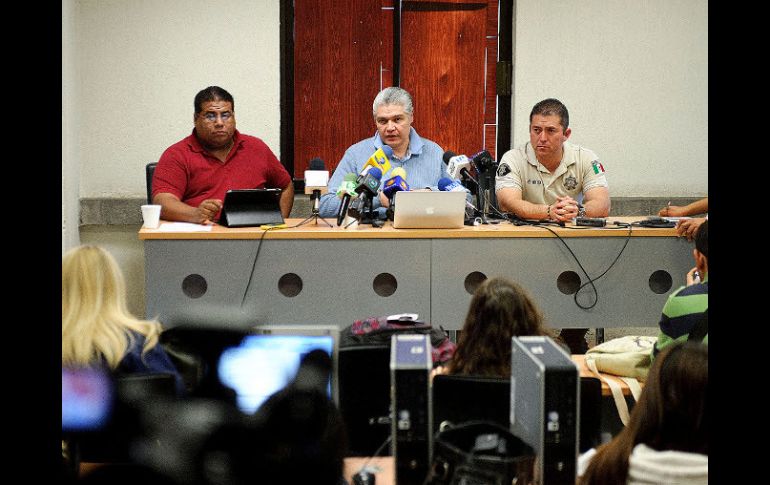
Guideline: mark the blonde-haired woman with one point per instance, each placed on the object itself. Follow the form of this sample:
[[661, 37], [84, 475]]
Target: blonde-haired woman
[[97, 328]]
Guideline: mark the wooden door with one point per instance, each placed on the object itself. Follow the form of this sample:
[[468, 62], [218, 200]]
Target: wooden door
[[448, 56], [340, 54]]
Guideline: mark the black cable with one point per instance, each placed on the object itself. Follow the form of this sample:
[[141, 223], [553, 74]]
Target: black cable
[[590, 281], [379, 450], [628, 238], [256, 256]]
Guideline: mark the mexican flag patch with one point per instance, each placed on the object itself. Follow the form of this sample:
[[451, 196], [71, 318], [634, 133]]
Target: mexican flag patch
[[598, 167]]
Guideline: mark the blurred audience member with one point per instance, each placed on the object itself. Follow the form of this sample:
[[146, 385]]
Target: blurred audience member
[[687, 227], [666, 440], [97, 328], [700, 206], [500, 309], [686, 311]]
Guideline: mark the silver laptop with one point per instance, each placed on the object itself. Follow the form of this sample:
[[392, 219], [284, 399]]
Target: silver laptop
[[429, 210]]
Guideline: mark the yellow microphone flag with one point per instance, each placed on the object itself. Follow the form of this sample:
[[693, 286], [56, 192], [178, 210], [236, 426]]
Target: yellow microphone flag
[[379, 160]]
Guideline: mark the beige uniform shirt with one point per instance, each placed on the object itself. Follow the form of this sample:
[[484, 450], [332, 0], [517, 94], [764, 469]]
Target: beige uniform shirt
[[579, 171]]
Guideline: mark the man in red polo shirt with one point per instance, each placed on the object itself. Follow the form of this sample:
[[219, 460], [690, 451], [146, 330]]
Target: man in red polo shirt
[[193, 175]]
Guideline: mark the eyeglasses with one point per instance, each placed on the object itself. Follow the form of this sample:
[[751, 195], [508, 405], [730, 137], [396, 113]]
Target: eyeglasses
[[212, 117]]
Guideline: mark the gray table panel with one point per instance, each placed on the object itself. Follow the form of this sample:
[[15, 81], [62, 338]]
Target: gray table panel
[[625, 297], [224, 265], [336, 279]]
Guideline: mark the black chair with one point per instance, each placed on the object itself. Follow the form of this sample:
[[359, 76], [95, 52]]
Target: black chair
[[590, 413], [364, 396], [149, 170], [460, 398]]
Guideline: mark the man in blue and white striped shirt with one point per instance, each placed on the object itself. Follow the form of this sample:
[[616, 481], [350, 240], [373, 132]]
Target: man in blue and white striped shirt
[[419, 157]]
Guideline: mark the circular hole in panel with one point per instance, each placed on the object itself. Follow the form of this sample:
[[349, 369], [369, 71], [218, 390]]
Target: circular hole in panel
[[473, 280], [385, 284], [661, 282], [194, 286], [290, 285], [568, 282]]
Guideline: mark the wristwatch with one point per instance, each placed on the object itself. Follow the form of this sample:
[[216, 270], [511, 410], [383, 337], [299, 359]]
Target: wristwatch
[[581, 211]]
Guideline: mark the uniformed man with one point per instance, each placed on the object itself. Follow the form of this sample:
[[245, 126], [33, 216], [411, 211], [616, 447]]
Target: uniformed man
[[552, 179]]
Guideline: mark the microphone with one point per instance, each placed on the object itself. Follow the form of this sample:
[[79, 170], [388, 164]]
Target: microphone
[[397, 183], [346, 191], [483, 161], [368, 184], [457, 165], [380, 159], [448, 185], [316, 181]]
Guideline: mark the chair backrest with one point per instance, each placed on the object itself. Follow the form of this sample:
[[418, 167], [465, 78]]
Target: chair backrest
[[590, 413], [138, 387], [149, 171], [364, 396], [459, 398]]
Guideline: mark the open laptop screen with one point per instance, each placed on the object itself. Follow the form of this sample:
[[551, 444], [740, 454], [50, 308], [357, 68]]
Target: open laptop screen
[[429, 210], [265, 363]]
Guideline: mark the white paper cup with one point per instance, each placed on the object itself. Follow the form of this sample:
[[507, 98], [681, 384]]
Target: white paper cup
[[151, 216]]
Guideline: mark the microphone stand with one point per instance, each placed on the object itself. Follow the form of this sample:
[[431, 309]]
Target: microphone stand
[[477, 191], [366, 214], [390, 213], [316, 198]]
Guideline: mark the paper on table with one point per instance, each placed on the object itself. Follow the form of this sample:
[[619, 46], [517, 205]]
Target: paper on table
[[183, 227]]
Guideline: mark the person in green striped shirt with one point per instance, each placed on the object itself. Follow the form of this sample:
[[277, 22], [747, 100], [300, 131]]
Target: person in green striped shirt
[[686, 310]]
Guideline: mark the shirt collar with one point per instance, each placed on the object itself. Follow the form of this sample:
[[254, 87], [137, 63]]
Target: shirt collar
[[565, 162], [415, 143]]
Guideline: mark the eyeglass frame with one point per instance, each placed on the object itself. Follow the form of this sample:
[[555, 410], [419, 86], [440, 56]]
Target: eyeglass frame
[[212, 116]]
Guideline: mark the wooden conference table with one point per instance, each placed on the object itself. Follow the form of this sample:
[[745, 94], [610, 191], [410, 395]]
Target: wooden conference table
[[317, 274]]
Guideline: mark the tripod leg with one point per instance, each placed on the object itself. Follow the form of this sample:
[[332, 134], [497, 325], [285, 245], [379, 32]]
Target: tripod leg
[[307, 219]]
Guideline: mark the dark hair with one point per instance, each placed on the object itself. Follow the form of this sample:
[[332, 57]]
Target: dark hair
[[500, 309], [551, 106], [212, 93], [702, 239], [672, 413]]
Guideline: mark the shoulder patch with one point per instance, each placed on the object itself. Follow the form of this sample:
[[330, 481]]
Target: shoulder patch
[[503, 169], [597, 166]]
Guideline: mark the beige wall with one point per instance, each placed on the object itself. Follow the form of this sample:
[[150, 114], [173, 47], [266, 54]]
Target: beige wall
[[140, 64], [70, 167], [633, 74], [634, 77], [122, 242]]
